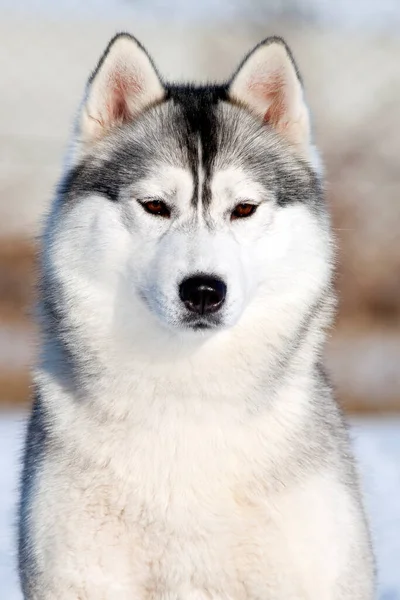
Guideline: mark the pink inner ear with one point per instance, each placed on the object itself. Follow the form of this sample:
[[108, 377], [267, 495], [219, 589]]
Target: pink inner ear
[[271, 92], [123, 88]]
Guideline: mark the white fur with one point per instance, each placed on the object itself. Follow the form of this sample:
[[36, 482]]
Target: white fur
[[173, 471], [172, 496], [169, 477]]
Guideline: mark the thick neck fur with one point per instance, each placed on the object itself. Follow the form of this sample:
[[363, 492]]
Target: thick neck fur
[[146, 367], [173, 401]]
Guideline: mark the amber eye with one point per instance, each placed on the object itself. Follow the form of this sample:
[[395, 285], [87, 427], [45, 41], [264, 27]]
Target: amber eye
[[157, 208], [243, 210]]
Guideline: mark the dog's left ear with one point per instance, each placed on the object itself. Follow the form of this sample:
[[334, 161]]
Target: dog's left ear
[[268, 84]]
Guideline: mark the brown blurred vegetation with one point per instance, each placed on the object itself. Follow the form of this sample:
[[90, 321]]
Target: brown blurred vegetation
[[17, 284], [17, 277]]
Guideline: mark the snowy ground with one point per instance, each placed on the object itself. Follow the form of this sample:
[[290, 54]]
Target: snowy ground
[[377, 445]]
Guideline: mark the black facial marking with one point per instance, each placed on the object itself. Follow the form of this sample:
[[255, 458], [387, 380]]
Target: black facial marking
[[297, 185], [199, 125], [171, 133], [123, 164], [84, 179]]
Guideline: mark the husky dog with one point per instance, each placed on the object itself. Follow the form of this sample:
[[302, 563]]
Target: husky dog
[[184, 443]]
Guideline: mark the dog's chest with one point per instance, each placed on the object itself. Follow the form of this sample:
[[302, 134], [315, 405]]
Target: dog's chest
[[193, 519], [201, 519], [188, 499], [191, 501]]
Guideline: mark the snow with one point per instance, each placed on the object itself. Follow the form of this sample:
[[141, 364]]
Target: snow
[[377, 446]]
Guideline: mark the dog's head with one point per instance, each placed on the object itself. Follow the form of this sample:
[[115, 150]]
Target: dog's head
[[188, 206]]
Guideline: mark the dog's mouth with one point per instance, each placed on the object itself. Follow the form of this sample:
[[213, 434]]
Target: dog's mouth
[[202, 324]]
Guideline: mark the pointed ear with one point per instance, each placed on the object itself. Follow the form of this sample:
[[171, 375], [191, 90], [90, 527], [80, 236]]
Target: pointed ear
[[124, 83], [268, 84]]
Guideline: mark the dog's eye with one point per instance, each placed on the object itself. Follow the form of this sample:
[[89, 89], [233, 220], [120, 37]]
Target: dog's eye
[[157, 208], [243, 210]]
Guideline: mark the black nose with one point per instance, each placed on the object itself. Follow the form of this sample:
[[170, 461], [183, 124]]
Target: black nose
[[202, 294]]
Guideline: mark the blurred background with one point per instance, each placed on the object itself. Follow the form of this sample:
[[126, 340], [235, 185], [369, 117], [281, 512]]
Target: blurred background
[[349, 54]]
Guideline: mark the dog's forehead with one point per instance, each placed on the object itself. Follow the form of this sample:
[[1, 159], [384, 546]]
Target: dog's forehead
[[214, 144], [204, 149], [217, 141], [197, 134], [215, 134]]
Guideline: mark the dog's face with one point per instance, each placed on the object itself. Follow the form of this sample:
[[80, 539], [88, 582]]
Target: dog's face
[[192, 204]]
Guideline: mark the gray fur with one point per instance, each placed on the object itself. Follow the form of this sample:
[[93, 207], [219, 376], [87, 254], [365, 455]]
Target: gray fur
[[163, 462]]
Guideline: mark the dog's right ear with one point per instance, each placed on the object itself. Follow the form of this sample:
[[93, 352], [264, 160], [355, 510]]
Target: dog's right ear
[[124, 83]]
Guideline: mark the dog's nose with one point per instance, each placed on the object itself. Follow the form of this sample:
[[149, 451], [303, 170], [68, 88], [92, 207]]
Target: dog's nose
[[202, 294]]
